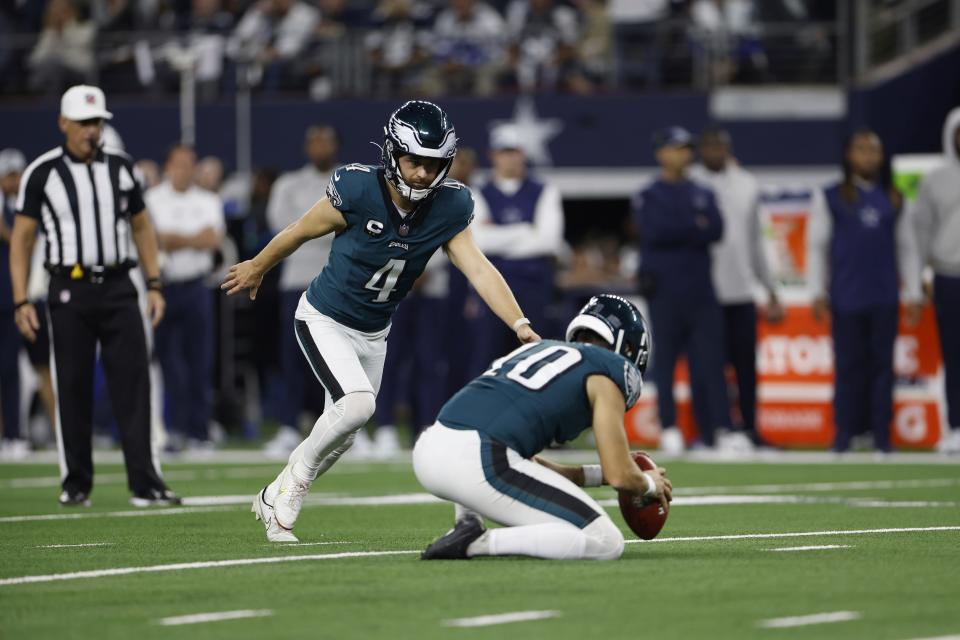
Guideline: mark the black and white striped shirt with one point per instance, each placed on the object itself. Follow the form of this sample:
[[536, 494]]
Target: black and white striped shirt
[[84, 209]]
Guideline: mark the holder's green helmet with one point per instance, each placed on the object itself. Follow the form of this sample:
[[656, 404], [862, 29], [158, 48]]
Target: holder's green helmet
[[619, 323]]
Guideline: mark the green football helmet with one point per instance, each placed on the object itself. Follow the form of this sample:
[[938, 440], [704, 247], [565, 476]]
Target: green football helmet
[[418, 128], [619, 323]]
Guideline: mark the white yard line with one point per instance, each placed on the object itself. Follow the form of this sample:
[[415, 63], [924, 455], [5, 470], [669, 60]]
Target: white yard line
[[180, 566], [815, 618], [797, 534], [121, 571], [215, 616], [818, 547], [501, 618], [953, 637], [70, 546]]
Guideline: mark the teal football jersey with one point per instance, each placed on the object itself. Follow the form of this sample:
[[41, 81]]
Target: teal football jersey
[[537, 394], [377, 258]]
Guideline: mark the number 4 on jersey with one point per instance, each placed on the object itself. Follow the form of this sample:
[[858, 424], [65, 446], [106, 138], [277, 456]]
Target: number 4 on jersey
[[388, 274]]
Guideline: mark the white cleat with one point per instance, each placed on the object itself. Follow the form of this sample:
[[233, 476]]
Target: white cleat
[[288, 497], [264, 512]]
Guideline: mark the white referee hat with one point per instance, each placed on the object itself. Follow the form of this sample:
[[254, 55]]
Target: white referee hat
[[84, 102]]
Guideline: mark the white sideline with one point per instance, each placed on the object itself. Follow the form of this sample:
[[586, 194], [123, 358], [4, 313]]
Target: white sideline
[[500, 618], [100, 573], [796, 534], [802, 621], [70, 546], [814, 547], [215, 616], [123, 571]]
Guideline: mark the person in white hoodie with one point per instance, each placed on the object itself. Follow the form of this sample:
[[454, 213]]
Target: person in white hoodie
[[937, 219], [739, 264]]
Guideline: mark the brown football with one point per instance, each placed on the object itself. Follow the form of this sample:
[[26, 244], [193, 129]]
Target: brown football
[[644, 516]]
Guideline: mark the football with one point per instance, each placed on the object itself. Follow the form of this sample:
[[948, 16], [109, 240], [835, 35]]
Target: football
[[644, 516]]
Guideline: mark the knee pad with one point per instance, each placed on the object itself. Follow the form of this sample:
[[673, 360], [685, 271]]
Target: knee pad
[[355, 409], [604, 540]]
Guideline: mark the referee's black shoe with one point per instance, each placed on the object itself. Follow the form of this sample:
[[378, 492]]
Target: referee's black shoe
[[74, 499], [453, 546], [155, 498]]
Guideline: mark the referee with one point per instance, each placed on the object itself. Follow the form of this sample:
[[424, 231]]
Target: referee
[[89, 204]]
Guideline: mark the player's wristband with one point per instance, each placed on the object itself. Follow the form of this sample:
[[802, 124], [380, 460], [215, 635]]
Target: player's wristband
[[519, 323], [22, 303], [154, 284], [651, 485], [592, 475]]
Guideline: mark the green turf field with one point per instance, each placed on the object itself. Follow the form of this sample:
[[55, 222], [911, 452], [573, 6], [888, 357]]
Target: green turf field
[[897, 585]]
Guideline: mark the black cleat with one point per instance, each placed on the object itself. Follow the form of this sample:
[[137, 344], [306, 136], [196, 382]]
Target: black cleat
[[155, 497], [453, 545], [75, 499]]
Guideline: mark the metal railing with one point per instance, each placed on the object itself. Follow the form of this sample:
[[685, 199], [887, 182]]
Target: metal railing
[[884, 31]]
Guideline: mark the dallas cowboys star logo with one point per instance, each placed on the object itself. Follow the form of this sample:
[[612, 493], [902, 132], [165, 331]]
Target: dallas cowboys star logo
[[535, 132]]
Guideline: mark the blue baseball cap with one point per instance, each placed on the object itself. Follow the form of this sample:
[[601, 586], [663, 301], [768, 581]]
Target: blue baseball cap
[[672, 137]]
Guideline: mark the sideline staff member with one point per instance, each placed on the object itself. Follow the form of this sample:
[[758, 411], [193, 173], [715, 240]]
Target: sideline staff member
[[89, 203]]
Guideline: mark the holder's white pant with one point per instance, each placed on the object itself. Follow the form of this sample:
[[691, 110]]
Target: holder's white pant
[[545, 515]]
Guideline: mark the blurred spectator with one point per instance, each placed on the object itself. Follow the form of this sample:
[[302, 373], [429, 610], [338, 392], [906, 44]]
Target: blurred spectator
[[328, 66], [292, 195], [739, 264], [200, 46], [397, 47], [468, 47], [938, 235], [64, 54], [12, 164], [270, 36], [678, 221], [594, 48], [543, 49], [519, 226], [456, 348], [12, 445], [726, 35], [638, 40], [147, 173], [799, 48], [190, 225], [860, 246], [209, 174]]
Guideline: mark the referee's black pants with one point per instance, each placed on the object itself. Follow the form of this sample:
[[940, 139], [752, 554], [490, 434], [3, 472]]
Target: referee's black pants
[[83, 313]]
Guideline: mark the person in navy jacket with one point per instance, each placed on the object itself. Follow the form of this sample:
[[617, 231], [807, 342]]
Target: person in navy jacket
[[678, 220], [861, 248]]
